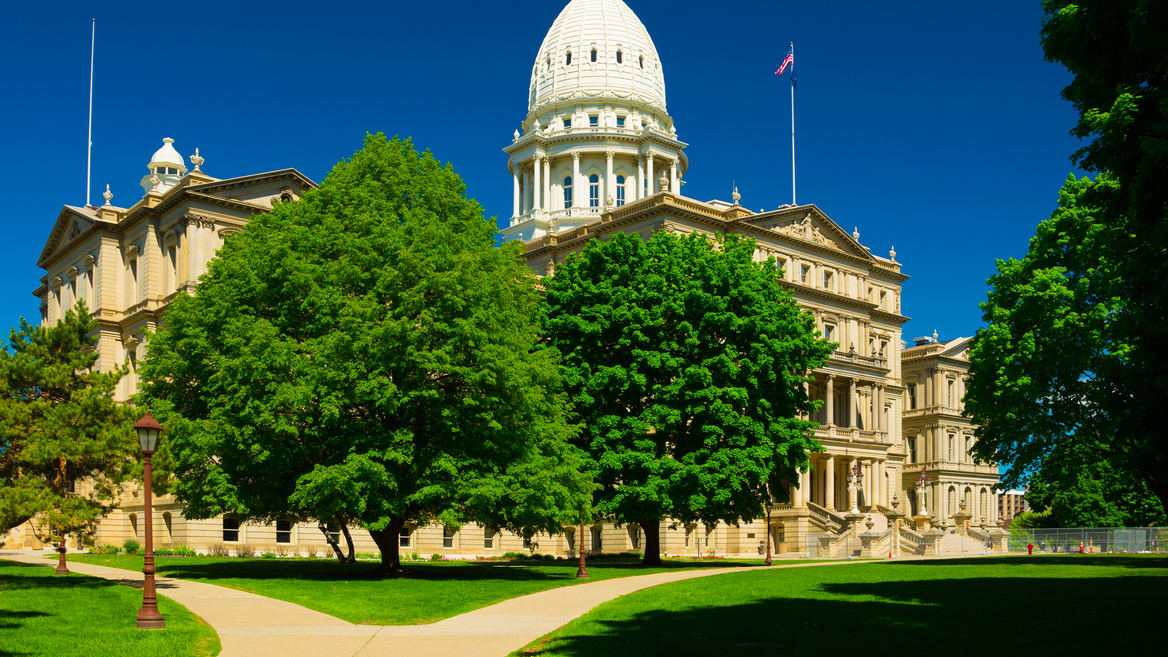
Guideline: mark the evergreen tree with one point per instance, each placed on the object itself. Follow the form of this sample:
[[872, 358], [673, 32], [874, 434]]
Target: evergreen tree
[[686, 361], [65, 444], [368, 355]]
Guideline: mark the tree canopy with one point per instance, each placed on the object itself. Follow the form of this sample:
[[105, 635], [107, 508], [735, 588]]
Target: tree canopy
[[368, 355], [1076, 347], [65, 444], [685, 360]]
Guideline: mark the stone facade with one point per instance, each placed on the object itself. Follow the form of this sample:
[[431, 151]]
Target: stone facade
[[597, 154]]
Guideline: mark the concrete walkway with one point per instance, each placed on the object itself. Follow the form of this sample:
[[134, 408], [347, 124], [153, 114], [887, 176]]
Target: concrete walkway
[[250, 625]]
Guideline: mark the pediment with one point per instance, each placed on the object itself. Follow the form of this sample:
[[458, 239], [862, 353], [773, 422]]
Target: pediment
[[71, 223], [812, 226], [958, 348]]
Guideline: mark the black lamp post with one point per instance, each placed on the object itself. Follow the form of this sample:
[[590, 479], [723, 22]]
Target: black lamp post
[[149, 431]]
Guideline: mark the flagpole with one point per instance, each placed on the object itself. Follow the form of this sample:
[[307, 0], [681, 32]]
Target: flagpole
[[89, 147], [793, 127]]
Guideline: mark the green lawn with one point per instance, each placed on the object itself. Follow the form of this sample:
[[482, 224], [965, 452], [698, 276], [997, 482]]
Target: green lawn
[[77, 616], [357, 593], [1013, 605]]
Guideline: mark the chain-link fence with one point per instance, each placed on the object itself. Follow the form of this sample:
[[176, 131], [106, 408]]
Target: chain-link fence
[[1067, 540]]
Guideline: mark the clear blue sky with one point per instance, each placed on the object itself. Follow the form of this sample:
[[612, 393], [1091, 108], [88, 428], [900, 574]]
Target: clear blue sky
[[933, 126]]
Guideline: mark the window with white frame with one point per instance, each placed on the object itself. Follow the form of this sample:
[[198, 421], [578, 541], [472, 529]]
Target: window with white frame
[[597, 539], [594, 191], [283, 531], [593, 120], [828, 280], [448, 537], [620, 191], [829, 332], [230, 530], [567, 192], [405, 537], [489, 534], [804, 273]]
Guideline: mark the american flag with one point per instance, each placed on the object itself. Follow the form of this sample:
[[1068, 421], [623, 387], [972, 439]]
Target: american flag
[[789, 61]]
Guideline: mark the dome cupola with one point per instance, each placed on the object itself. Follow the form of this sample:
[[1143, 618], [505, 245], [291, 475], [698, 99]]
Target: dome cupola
[[597, 49], [166, 165]]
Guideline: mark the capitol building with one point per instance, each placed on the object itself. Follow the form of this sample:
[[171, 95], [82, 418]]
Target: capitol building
[[597, 153]]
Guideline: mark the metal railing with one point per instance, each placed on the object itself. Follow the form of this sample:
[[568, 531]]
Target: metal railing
[[1070, 540]]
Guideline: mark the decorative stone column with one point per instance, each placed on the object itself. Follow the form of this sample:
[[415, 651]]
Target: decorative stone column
[[853, 406], [829, 482], [652, 180], [515, 196], [829, 399], [537, 187], [673, 186], [609, 180], [547, 183], [579, 186], [640, 178]]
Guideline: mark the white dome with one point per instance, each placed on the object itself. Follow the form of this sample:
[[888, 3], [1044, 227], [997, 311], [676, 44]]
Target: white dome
[[626, 66], [167, 156]]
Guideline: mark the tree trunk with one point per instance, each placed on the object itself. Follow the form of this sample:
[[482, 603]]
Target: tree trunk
[[331, 542], [386, 540], [652, 529], [351, 558]]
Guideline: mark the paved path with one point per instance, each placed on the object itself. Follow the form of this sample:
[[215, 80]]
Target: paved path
[[250, 625]]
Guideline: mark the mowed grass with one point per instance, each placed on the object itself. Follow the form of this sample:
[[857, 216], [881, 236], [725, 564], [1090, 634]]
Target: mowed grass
[[72, 615], [1010, 605], [358, 592]]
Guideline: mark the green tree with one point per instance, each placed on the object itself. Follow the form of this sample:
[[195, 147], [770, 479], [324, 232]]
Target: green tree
[[368, 355], [65, 444], [686, 361], [1078, 489], [1115, 51]]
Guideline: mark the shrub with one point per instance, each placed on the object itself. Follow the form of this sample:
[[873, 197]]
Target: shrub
[[245, 551], [163, 552], [281, 550], [131, 546], [415, 557], [183, 551], [312, 552], [514, 555], [269, 555], [218, 550], [436, 557], [109, 549]]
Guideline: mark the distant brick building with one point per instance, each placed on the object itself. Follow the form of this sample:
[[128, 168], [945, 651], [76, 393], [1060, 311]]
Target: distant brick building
[[1010, 504]]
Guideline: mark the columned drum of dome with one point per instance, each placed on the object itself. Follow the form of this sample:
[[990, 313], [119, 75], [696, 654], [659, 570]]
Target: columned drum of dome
[[596, 120]]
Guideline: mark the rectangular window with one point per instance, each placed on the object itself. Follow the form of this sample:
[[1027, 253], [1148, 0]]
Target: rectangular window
[[230, 530], [952, 451], [829, 332], [827, 280], [597, 540], [489, 538], [334, 532], [283, 531], [405, 537], [593, 120], [172, 267], [912, 449], [448, 537], [883, 296], [912, 396], [635, 537], [804, 273], [620, 121], [567, 123], [688, 536]]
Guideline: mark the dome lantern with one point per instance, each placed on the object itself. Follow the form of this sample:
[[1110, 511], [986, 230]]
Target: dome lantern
[[167, 165]]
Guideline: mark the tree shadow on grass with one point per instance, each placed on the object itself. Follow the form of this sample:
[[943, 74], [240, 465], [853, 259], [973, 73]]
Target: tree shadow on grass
[[1108, 560], [1014, 615]]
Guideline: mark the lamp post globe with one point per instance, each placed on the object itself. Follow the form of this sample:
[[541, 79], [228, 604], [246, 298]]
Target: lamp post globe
[[149, 431]]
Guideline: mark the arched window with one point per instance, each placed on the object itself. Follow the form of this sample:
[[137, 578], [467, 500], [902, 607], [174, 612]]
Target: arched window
[[594, 54], [568, 58], [620, 191], [549, 62], [594, 191], [567, 192], [620, 57]]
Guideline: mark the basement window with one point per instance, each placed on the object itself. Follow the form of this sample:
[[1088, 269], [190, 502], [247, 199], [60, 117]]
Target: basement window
[[283, 531], [230, 530]]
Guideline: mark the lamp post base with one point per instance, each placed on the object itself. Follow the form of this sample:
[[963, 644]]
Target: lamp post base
[[150, 623]]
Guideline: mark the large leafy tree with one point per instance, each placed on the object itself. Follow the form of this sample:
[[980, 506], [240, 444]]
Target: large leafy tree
[[1077, 347], [65, 444], [368, 355], [686, 361], [1076, 488]]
